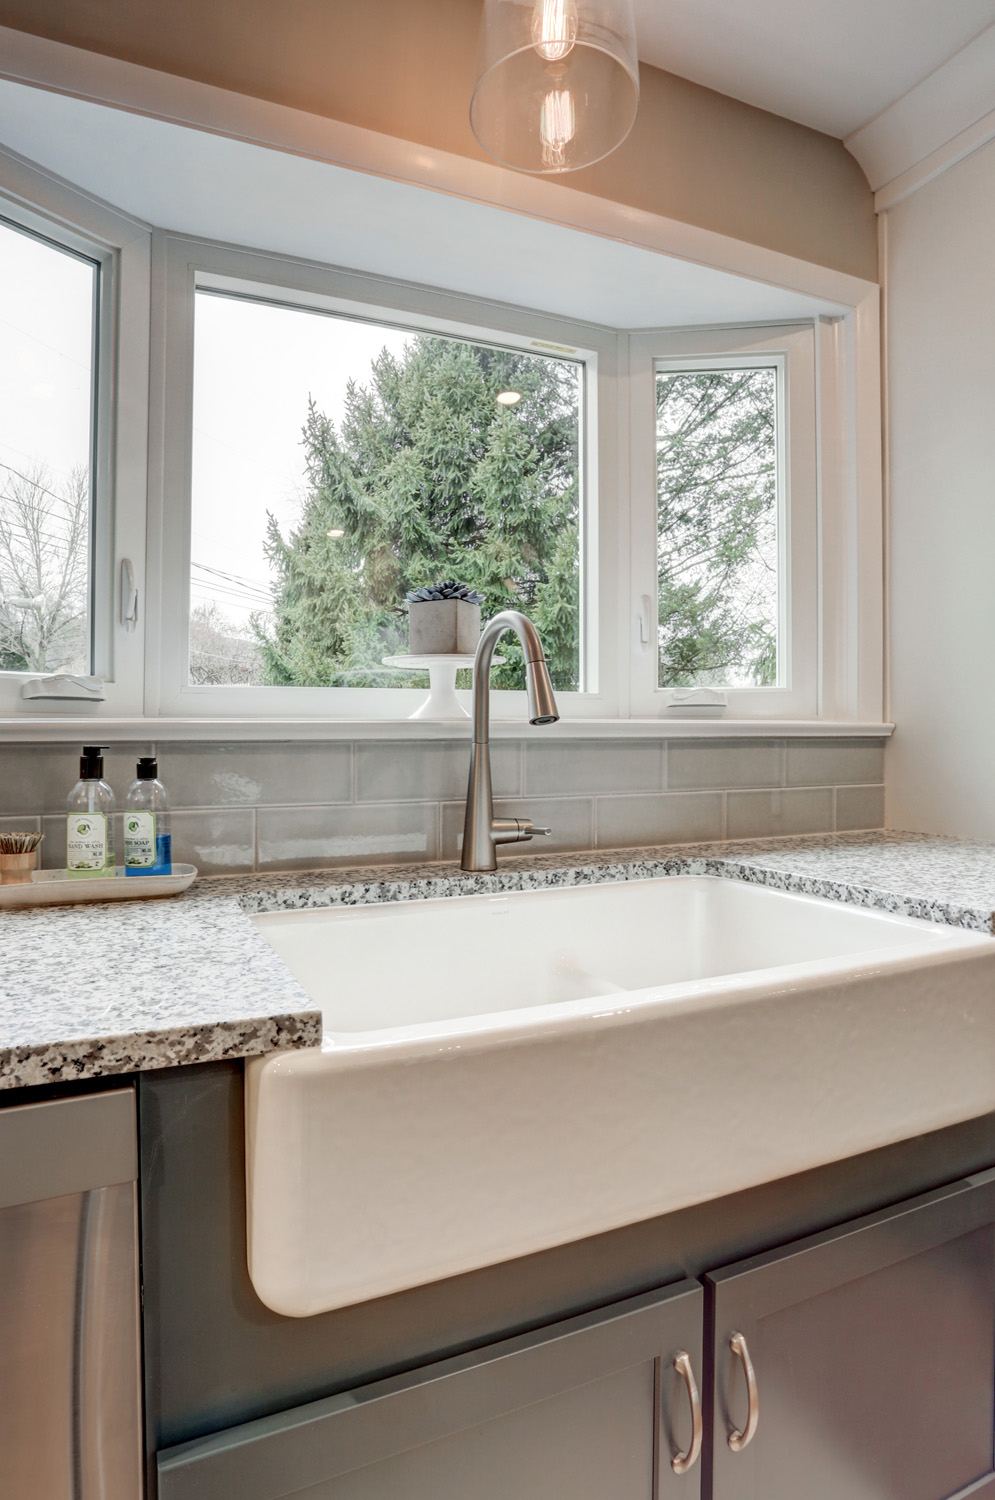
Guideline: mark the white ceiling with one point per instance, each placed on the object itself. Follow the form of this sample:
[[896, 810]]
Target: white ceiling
[[222, 189], [831, 64]]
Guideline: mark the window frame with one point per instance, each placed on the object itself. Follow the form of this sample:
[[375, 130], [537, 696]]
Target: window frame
[[181, 265], [137, 402], [791, 349], [119, 246]]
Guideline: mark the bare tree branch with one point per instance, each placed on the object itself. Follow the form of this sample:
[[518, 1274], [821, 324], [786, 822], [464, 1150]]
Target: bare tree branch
[[44, 571]]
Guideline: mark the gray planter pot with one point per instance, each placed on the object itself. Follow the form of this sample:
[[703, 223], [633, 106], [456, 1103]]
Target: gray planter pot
[[442, 627]]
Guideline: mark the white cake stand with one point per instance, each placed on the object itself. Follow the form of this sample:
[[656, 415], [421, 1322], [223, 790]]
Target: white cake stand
[[442, 702]]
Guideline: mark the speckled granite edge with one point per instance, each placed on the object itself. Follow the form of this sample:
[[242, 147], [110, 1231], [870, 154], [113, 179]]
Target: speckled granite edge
[[950, 914], [138, 1052], [908, 859]]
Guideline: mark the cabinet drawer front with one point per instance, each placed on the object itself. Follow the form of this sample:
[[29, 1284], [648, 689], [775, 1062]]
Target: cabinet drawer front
[[873, 1348], [588, 1408]]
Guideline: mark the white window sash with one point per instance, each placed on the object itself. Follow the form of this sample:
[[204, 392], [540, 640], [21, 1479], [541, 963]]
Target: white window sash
[[181, 266], [791, 350], [120, 247]]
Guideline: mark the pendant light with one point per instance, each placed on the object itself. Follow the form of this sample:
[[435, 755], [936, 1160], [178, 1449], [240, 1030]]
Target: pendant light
[[557, 82]]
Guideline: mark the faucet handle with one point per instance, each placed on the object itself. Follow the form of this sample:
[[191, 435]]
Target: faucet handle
[[515, 830]]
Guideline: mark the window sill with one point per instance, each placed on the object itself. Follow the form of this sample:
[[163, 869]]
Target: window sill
[[37, 728]]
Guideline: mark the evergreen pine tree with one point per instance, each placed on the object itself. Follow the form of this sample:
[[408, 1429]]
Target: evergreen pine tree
[[428, 477], [717, 528]]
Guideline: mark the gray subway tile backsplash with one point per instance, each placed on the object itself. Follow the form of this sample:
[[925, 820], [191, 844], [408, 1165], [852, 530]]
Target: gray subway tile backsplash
[[664, 818], [53, 847], [296, 838], [859, 807], [284, 805], [218, 842], [401, 771], [589, 767], [256, 775], [834, 762], [20, 823], [694, 765], [39, 778], [757, 815]]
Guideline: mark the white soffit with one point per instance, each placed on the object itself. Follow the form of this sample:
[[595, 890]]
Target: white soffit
[[935, 124], [199, 183], [830, 64]]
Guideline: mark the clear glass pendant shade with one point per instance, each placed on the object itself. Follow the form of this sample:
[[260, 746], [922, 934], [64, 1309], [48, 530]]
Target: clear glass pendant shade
[[557, 82]]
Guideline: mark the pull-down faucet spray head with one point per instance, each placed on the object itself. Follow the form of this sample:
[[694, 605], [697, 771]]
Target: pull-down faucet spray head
[[542, 704]]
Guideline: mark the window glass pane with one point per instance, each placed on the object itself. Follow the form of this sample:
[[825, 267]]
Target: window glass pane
[[717, 520], [339, 463], [47, 302]]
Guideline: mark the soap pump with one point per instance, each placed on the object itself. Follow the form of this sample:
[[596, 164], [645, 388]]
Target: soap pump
[[89, 832], [147, 839]]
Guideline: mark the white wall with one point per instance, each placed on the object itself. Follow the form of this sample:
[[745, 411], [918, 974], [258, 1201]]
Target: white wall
[[940, 277]]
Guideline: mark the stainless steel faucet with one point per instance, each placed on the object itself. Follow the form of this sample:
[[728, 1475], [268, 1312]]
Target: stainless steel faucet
[[482, 832]]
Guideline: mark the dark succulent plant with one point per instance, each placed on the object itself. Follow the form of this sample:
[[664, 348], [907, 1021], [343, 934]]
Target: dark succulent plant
[[450, 589]]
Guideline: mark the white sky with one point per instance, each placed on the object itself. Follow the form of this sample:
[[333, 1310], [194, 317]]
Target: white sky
[[255, 366], [46, 332]]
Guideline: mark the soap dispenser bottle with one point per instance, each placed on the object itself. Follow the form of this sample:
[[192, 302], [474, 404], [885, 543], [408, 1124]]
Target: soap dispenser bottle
[[89, 829], [147, 839]]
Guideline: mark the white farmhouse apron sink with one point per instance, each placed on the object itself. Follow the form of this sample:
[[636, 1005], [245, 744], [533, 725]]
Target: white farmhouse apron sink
[[500, 1074]]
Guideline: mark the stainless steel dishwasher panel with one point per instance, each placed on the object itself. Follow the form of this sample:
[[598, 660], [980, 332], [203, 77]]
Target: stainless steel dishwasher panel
[[70, 1372]]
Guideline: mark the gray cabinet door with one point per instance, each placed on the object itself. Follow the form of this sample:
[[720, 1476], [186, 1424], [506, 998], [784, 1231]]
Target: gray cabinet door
[[873, 1349], [589, 1409]]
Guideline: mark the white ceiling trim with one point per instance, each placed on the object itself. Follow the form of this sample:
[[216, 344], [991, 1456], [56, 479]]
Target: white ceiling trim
[[98, 79], [937, 123], [937, 162], [830, 64]]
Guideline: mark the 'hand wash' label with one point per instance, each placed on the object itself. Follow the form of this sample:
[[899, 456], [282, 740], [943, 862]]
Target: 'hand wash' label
[[86, 844]]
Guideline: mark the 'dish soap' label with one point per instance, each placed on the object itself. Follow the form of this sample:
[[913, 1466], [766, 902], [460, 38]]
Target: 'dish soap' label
[[139, 840], [86, 844]]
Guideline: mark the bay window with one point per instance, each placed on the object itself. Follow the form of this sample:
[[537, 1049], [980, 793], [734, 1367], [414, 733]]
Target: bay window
[[222, 470]]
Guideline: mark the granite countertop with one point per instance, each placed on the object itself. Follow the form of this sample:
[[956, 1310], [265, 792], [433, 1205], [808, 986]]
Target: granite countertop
[[116, 987], [121, 987]]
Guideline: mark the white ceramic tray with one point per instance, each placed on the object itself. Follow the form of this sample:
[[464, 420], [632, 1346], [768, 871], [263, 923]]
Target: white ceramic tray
[[56, 888]]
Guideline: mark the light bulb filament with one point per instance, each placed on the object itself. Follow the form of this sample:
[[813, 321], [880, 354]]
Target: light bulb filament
[[554, 28], [557, 126]]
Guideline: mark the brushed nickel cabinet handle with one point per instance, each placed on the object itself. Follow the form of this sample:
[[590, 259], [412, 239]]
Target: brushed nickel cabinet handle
[[740, 1440], [684, 1461]]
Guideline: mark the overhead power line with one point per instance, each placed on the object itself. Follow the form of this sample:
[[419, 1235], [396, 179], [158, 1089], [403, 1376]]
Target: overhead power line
[[34, 483], [234, 582], [235, 577]]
